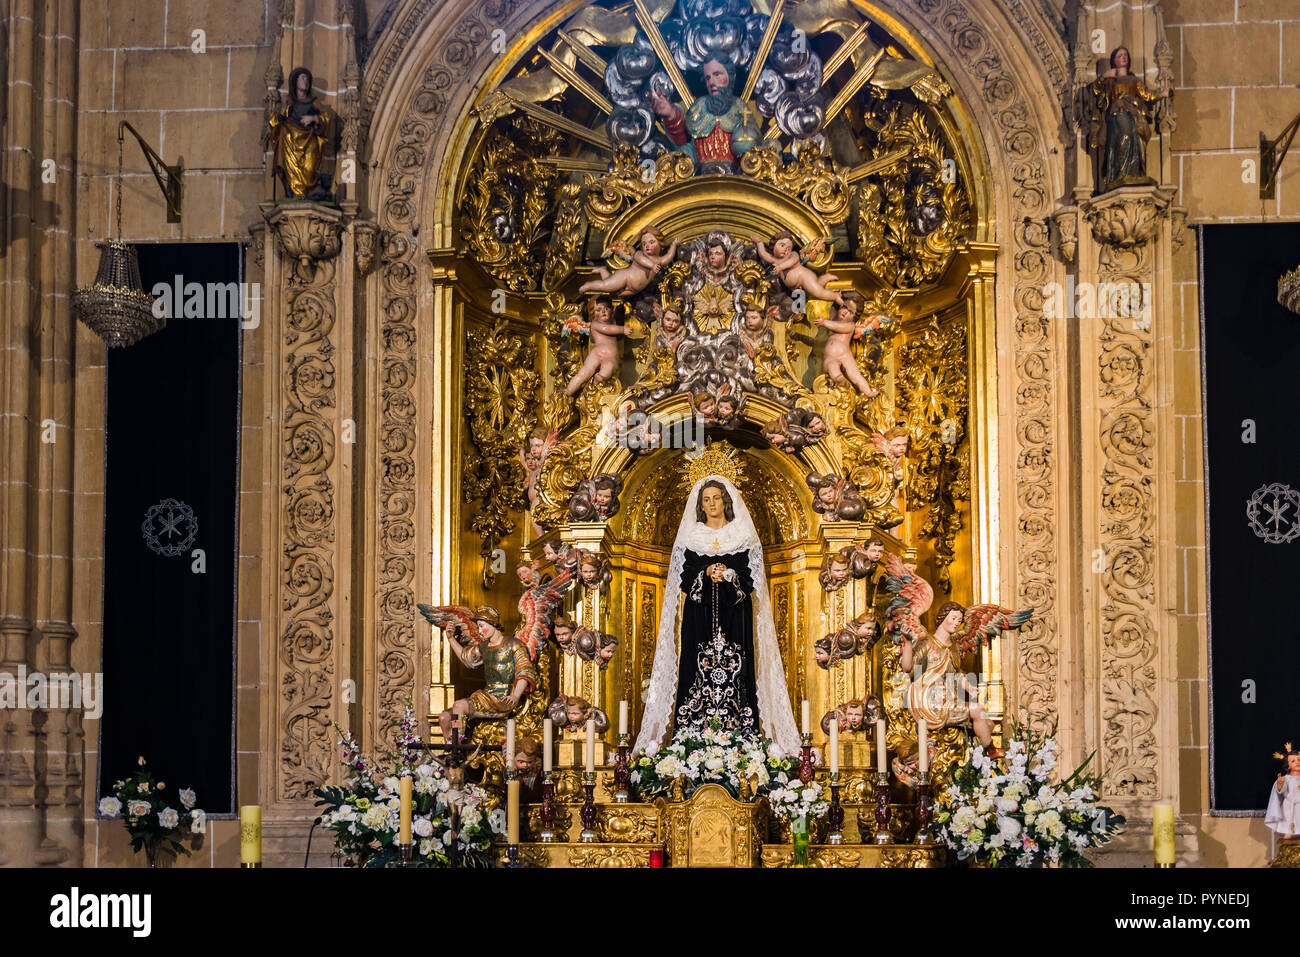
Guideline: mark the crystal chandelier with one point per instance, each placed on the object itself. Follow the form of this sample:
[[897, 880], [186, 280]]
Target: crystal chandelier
[[1288, 290], [116, 306]]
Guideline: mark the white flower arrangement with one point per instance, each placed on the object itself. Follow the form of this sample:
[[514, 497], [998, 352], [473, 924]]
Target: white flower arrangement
[[1010, 815], [364, 815], [710, 755], [792, 800], [152, 823]]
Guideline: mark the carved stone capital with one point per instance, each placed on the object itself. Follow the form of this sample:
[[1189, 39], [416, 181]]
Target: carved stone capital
[[1127, 217], [1065, 233], [369, 242], [308, 233]]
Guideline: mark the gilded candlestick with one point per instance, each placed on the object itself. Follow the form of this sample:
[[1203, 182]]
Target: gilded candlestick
[[622, 771], [589, 807], [923, 808], [805, 760], [882, 808], [835, 815], [548, 810]]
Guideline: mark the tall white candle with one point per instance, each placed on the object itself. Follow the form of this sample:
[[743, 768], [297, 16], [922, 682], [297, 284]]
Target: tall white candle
[[805, 715], [510, 744], [622, 718], [923, 742], [591, 745], [835, 745], [546, 745], [880, 745]]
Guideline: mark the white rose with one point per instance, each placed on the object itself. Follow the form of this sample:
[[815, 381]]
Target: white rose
[[809, 794], [168, 817], [1008, 828], [422, 827], [139, 808], [187, 798], [1007, 805], [713, 764], [110, 807]]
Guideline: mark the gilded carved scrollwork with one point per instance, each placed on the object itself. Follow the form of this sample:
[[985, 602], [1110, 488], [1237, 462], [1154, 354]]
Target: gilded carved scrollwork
[[931, 400], [628, 182], [510, 194], [809, 176], [914, 214], [501, 386]]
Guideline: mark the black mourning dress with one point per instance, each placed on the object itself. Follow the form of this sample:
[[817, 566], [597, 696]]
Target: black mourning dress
[[716, 675]]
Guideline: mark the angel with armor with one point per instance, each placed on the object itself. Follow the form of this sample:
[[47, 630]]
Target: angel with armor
[[508, 671], [932, 694], [645, 264], [790, 269]]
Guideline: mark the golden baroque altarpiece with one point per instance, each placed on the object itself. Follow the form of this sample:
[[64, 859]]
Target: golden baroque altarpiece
[[913, 155]]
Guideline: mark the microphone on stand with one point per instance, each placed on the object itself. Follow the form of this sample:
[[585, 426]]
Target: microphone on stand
[[309, 834]]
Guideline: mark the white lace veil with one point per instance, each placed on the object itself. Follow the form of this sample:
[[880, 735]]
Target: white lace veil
[[739, 534]]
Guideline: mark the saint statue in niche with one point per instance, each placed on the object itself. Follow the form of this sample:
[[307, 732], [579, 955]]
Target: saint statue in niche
[[298, 135], [730, 669], [1120, 124]]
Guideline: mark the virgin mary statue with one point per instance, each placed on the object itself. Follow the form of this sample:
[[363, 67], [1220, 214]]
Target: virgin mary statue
[[730, 664]]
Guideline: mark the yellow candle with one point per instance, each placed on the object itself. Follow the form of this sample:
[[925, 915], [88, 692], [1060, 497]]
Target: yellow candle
[[546, 745], [805, 715], [622, 718], [250, 834], [923, 742], [1162, 825], [512, 811], [404, 812], [591, 745], [880, 745], [510, 745], [835, 745]]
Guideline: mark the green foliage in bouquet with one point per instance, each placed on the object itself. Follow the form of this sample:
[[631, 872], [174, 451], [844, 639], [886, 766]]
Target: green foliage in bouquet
[[1008, 813], [363, 814]]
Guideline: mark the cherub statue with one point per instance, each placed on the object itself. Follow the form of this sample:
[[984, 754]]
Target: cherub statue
[[596, 499], [528, 765], [570, 713], [563, 631], [594, 571], [537, 603], [753, 327], [602, 358], [836, 574], [856, 714], [790, 269], [893, 445], [836, 497], [671, 330], [508, 671], [856, 637], [837, 358], [933, 692], [597, 646], [795, 429], [1283, 814], [533, 456], [644, 264]]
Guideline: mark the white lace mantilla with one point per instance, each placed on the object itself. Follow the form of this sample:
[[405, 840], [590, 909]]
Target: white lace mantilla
[[775, 713]]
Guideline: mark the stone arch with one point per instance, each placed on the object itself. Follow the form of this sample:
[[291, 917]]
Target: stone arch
[[1007, 68]]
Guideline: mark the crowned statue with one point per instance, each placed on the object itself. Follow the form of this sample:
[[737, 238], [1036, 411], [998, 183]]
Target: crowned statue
[[730, 669]]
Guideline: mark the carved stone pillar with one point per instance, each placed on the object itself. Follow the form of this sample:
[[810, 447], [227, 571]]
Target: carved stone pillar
[[1129, 562], [307, 535]]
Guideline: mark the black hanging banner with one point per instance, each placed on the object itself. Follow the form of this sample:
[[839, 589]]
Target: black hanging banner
[[1251, 349], [170, 534]]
